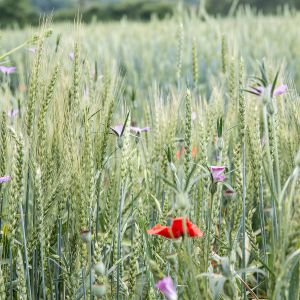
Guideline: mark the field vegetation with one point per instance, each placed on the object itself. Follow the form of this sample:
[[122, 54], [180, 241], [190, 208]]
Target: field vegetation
[[153, 160]]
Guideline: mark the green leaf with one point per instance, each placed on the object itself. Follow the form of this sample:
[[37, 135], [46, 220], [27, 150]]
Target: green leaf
[[125, 123], [263, 73], [263, 82], [294, 286], [274, 83], [249, 91]]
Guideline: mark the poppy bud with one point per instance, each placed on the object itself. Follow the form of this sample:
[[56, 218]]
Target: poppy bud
[[182, 201], [99, 268], [99, 290]]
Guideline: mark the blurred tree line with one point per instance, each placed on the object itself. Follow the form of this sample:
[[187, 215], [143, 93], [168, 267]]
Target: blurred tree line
[[22, 12]]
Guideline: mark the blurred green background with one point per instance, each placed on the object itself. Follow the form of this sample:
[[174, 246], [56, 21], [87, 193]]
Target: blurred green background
[[22, 12]]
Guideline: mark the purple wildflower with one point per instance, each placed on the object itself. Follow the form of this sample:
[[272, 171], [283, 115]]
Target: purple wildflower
[[71, 55], [117, 130], [7, 70], [166, 286], [12, 113], [280, 90], [5, 179], [217, 173], [138, 130], [259, 90]]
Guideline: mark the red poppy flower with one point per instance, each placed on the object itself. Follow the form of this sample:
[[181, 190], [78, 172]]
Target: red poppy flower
[[177, 229]]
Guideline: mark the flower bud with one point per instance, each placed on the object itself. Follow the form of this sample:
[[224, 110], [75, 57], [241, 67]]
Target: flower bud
[[265, 96], [99, 268], [229, 194], [86, 236], [270, 108], [99, 290], [220, 144], [120, 142], [213, 188], [182, 201], [265, 99]]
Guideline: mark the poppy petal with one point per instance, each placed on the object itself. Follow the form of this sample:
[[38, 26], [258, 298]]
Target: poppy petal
[[160, 230], [177, 227], [193, 230]]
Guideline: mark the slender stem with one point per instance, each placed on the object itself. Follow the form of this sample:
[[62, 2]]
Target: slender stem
[[122, 194], [25, 253], [57, 285], [277, 166], [13, 50], [208, 230], [271, 173], [244, 216], [262, 218], [1, 206], [83, 283], [27, 193], [43, 271], [90, 244], [11, 271], [247, 287]]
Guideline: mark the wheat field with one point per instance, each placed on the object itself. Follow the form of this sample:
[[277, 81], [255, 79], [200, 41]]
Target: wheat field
[[108, 130]]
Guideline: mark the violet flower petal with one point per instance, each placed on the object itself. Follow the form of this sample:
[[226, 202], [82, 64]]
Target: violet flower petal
[[166, 286], [7, 70], [139, 130], [118, 129], [280, 90], [217, 173], [5, 179], [145, 129], [136, 129]]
